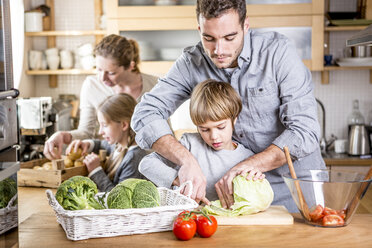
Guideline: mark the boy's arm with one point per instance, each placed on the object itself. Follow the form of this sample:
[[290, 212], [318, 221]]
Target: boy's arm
[[159, 170], [174, 151]]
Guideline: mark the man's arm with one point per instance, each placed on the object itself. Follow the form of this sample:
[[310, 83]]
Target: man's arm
[[269, 159], [170, 148]]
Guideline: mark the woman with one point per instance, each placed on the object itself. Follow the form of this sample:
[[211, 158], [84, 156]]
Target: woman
[[117, 60]]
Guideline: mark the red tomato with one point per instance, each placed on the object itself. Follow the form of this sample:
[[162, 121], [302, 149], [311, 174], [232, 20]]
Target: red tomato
[[206, 228], [184, 228], [188, 214], [317, 213], [342, 213], [333, 220], [328, 211]]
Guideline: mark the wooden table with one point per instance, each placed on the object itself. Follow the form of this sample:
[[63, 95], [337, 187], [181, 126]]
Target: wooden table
[[40, 229]]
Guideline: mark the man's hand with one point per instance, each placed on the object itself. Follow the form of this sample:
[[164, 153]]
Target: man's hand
[[269, 159], [192, 172], [171, 149], [53, 146], [224, 186]]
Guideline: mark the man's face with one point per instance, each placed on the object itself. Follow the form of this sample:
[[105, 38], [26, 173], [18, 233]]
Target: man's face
[[223, 38]]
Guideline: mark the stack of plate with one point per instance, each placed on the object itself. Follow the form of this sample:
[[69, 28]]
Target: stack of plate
[[355, 61]]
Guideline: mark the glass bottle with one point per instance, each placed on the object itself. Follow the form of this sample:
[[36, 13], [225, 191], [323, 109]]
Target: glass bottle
[[356, 116]]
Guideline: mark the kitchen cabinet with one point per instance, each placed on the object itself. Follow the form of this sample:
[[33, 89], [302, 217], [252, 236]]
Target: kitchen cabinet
[[327, 31], [151, 18], [51, 41]]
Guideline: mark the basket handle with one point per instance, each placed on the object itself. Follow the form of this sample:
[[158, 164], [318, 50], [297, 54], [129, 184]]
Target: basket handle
[[10, 203], [182, 186], [53, 201]]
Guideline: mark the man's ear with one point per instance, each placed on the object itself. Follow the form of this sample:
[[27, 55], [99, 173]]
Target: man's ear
[[246, 25]]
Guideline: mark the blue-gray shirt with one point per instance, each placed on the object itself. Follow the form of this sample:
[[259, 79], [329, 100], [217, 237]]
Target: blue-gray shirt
[[276, 89]]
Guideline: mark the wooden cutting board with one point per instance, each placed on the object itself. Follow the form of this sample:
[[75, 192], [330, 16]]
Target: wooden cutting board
[[274, 215]]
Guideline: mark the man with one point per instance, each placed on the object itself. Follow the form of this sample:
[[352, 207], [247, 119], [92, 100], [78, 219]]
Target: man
[[279, 108]]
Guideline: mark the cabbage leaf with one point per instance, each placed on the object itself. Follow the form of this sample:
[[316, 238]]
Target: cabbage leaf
[[249, 197]]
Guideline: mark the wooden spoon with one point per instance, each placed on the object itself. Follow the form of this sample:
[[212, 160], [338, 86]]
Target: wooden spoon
[[356, 199], [304, 207]]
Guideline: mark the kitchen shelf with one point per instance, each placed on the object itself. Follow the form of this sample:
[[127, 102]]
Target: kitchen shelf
[[344, 28], [66, 33], [340, 68], [326, 69], [61, 72]]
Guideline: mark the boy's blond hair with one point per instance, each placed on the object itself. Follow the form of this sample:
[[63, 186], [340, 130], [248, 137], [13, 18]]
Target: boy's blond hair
[[212, 100]]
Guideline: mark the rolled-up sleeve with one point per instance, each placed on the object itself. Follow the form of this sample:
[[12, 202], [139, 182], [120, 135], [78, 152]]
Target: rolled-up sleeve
[[298, 109]]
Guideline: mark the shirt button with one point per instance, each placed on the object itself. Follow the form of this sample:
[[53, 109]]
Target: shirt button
[[241, 135], [260, 89]]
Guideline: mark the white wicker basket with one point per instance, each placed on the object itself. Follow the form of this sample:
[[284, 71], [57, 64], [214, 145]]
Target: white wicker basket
[[85, 224], [9, 216]]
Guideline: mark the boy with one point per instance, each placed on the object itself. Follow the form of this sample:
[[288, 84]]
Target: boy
[[214, 108]]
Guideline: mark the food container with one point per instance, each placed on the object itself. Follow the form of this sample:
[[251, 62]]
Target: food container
[[334, 193], [85, 224], [52, 178]]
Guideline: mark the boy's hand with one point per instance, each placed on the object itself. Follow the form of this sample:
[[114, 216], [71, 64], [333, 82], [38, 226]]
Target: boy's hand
[[91, 161]]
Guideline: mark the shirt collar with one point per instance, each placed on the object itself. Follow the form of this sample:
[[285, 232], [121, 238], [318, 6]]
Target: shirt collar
[[247, 49]]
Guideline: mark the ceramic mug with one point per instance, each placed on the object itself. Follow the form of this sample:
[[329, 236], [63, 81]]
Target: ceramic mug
[[35, 59], [340, 145], [87, 62], [66, 59], [51, 51], [53, 62], [34, 22]]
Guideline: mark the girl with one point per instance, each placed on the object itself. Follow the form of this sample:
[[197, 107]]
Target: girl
[[114, 115]]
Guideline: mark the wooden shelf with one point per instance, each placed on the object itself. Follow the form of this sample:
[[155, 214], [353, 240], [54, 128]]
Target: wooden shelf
[[61, 72], [66, 33], [341, 68], [344, 28]]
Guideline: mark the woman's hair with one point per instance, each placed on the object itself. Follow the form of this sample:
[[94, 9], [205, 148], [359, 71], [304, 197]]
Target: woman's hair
[[215, 8], [212, 100], [118, 108], [120, 49]]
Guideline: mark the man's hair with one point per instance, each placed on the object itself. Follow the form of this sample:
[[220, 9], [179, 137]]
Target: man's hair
[[212, 100], [215, 8]]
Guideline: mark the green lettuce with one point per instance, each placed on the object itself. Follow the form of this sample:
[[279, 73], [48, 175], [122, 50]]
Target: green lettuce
[[249, 197], [133, 193]]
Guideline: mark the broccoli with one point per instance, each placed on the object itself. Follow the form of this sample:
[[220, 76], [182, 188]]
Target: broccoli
[[8, 188], [77, 193], [133, 193]]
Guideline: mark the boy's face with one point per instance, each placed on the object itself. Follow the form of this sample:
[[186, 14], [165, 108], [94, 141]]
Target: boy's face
[[217, 134]]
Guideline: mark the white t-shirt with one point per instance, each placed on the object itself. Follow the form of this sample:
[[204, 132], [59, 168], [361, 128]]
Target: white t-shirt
[[92, 93]]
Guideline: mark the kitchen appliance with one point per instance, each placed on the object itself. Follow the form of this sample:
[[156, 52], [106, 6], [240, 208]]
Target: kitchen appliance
[[39, 118], [8, 121], [359, 140], [33, 113]]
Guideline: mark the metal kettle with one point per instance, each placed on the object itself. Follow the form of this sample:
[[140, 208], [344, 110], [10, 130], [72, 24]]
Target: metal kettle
[[358, 140]]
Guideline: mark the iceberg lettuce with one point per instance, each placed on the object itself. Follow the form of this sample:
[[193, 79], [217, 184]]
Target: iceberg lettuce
[[249, 197]]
